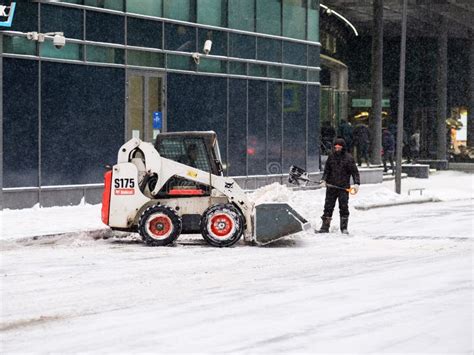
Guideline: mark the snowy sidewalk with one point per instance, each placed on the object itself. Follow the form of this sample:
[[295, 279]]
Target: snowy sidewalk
[[442, 186]]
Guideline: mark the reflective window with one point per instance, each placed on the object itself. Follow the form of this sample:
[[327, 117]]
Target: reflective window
[[257, 70], [212, 66], [62, 19], [144, 33], [274, 71], [257, 127], [146, 59], [268, 49], [180, 62], [238, 68], [105, 55], [18, 45], [274, 124], [101, 27], [26, 17], [20, 123], [294, 123], [237, 161], [180, 38], [313, 76], [69, 51], [146, 7], [313, 56], [294, 53], [294, 18], [212, 12], [183, 10], [294, 74], [313, 20], [106, 4], [218, 38], [241, 46], [313, 128], [269, 16], [242, 14]]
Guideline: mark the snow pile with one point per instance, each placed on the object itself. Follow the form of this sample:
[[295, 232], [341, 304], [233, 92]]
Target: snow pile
[[271, 193]]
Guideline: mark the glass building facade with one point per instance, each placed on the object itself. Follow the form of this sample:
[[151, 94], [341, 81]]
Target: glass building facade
[[65, 112]]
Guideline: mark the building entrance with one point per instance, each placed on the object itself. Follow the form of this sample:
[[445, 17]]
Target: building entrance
[[146, 105]]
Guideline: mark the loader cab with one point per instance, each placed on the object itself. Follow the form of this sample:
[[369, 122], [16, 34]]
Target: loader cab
[[197, 149]]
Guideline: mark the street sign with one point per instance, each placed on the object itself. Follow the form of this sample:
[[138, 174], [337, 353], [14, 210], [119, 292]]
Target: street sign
[[368, 103], [157, 120]]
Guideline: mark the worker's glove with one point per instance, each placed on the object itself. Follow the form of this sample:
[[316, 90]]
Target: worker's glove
[[322, 184], [355, 188]]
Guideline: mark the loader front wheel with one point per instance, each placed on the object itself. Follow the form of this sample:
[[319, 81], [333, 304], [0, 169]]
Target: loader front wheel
[[159, 225], [222, 225]]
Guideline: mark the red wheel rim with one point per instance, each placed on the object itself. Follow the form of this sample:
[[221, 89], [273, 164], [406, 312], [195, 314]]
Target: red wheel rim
[[160, 226], [221, 225]]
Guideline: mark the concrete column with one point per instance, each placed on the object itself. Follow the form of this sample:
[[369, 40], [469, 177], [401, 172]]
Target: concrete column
[[470, 118], [375, 122], [441, 89]]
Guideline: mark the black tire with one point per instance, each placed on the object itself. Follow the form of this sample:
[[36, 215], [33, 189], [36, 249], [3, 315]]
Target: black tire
[[159, 225], [222, 225]]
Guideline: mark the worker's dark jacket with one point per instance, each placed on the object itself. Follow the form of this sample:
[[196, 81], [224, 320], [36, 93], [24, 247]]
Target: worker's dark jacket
[[339, 168]]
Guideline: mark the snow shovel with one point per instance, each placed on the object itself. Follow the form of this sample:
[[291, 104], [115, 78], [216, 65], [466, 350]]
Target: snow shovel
[[297, 175]]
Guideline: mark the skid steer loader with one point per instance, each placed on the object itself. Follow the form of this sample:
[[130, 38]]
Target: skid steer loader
[[177, 186]]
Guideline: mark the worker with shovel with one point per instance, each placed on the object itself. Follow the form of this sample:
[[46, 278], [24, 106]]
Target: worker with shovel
[[339, 168]]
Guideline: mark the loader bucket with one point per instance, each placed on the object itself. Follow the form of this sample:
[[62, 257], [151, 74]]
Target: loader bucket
[[277, 220]]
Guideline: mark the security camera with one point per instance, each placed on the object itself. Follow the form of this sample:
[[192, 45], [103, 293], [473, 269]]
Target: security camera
[[207, 46], [59, 41]]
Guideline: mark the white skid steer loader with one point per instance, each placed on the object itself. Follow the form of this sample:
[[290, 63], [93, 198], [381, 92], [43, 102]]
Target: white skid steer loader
[[177, 186]]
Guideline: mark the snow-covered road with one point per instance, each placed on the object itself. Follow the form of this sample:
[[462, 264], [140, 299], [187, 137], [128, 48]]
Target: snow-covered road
[[401, 282]]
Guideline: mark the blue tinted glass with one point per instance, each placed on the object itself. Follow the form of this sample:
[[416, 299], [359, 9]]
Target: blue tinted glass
[[242, 46], [269, 49], [257, 127], [144, 33], [294, 53], [70, 130], [294, 123], [180, 38], [313, 128], [237, 162], [20, 123], [62, 19], [274, 129], [101, 27]]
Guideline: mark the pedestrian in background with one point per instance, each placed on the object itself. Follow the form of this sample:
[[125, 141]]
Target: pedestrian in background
[[345, 132], [339, 169], [361, 136], [388, 145], [415, 145]]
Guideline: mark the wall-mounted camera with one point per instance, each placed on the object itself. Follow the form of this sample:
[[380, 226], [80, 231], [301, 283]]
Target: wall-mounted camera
[[207, 49], [59, 40]]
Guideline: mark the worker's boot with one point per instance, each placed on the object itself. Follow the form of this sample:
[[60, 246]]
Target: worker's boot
[[326, 224], [344, 223]]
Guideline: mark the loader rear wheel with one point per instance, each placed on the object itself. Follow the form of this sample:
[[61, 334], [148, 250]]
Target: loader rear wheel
[[159, 225], [222, 225]]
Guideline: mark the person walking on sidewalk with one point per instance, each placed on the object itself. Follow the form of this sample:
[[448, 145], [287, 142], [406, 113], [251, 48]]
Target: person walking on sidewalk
[[339, 169], [361, 142], [388, 145]]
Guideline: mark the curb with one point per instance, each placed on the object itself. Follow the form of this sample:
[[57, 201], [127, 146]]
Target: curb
[[391, 204]]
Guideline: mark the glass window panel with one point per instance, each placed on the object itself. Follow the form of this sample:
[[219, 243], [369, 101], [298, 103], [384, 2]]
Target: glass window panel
[[212, 12], [105, 55], [155, 99], [313, 20], [19, 45], [237, 162], [144, 33], [242, 46], [73, 1], [257, 70], [147, 59], [62, 19], [238, 68], [242, 14], [180, 62], [313, 76], [106, 4], [274, 72], [313, 56], [257, 127], [146, 7], [212, 66], [69, 51], [269, 17], [136, 108], [294, 123], [294, 53], [294, 74], [294, 18], [101, 27], [183, 10], [313, 128], [218, 38], [26, 17], [180, 38], [268, 49], [274, 150]]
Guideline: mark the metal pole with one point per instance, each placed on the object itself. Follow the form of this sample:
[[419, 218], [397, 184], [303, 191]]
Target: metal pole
[[401, 101], [441, 91]]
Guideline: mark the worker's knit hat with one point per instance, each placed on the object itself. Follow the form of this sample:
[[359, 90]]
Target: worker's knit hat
[[340, 141]]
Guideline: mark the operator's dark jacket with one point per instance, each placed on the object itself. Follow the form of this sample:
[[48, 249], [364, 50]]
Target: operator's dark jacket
[[339, 168]]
